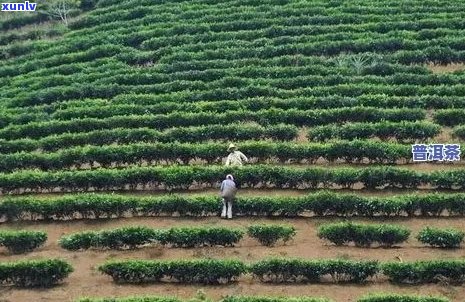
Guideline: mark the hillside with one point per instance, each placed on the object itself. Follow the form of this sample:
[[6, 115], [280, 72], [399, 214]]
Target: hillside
[[141, 97]]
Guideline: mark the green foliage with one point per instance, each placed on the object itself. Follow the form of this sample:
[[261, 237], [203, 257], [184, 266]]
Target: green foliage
[[18, 242], [171, 153], [363, 234], [400, 298], [38, 129], [269, 234], [203, 298], [272, 299], [87, 4], [449, 117], [296, 270], [83, 240], [459, 132], [403, 131], [131, 299], [206, 271], [233, 132], [323, 203], [34, 273], [132, 237], [184, 177], [445, 238], [199, 236], [451, 271]]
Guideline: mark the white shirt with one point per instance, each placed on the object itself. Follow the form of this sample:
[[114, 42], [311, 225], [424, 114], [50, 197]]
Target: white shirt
[[235, 158]]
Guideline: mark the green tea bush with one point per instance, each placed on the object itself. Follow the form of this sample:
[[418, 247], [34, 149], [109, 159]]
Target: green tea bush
[[297, 270], [400, 298], [184, 177], [131, 299], [171, 153], [363, 234], [206, 271], [18, 242], [269, 234], [199, 236], [272, 299], [322, 203], [402, 131], [82, 240], [452, 271], [445, 238], [34, 273], [132, 237]]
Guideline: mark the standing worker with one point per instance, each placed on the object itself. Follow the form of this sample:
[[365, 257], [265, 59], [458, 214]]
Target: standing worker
[[228, 193], [235, 157]]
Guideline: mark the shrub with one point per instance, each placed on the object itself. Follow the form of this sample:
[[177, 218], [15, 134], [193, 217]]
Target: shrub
[[269, 234], [131, 237], [402, 131], [74, 242], [184, 177], [206, 271], [22, 241], [445, 238], [297, 270], [200, 236], [363, 234], [34, 273], [322, 203], [400, 298], [452, 271], [272, 299], [131, 299]]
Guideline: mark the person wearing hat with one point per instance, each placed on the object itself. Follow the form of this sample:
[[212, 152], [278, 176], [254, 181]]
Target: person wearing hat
[[228, 193], [235, 157]]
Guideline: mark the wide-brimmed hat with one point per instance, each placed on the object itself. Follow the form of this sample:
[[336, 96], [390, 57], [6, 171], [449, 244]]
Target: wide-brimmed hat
[[231, 146], [229, 176]]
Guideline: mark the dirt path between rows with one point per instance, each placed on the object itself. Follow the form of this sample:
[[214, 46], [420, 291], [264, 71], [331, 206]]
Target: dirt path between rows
[[86, 281]]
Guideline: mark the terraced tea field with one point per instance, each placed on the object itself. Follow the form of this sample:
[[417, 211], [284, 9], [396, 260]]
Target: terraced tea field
[[114, 132]]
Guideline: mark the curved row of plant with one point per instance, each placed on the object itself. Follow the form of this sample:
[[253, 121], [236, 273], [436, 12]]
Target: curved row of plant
[[219, 90], [46, 273], [34, 273], [386, 234], [211, 271], [178, 119], [403, 131], [139, 104], [187, 119], [127, 104], [132, 237], [234, 132], [209, 152], [369, 298], [325, 203], [236, 49], [195, 177], [326, 45], [339, 72]]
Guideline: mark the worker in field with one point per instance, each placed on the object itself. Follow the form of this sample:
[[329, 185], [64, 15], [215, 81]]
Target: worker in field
[[235, 157], [228, 191]]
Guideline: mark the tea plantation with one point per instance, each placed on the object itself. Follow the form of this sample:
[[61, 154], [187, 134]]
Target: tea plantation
[[115, 122]]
